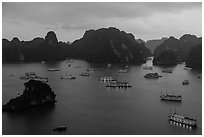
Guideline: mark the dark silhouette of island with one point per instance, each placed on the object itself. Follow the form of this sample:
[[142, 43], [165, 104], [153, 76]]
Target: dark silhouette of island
[[106, 45], [167, 58], [194, 59], [181, 46], [109, 46], [36, 93]]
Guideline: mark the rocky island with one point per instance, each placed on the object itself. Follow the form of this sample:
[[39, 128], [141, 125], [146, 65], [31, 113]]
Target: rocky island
[[167, 57], [35, 93], [194, 59]]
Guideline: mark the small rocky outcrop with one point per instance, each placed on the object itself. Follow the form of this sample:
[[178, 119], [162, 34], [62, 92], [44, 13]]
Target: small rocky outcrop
[[167, 57], [35, 93]]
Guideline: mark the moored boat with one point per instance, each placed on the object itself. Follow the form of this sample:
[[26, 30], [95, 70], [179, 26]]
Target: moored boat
[[117, 84], [107, 79], [171, 97], [183, 120], [53, 69], [185, 82]]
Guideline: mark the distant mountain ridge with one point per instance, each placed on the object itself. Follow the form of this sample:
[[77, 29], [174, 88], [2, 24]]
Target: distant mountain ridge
[[153, 44], [106, 45], [181, 46]]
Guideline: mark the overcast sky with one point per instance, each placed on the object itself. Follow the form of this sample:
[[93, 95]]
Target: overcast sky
[[70, 20]]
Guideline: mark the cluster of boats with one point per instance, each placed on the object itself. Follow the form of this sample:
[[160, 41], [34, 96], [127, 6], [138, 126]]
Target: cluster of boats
[[176, 118], [33, 76]]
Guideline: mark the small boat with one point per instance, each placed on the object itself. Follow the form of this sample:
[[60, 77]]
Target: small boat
[[171, 97], [148, 67], [69, 77], [123, 71], [116, 84], [152, 75], [187, 68], [53, 69], [167, 71], [107, 79], [84, 74], [183, 120], [60, 128], [185, 82], [43, 62]]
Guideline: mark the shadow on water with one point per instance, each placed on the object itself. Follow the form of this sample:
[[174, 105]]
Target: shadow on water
[[173, 103], [36, 111], [181, 127], [27, 121]]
